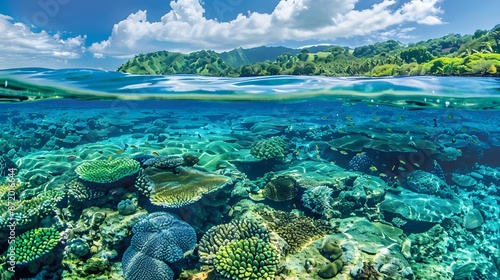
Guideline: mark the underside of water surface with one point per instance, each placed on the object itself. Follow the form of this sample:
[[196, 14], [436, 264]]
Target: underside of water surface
[[113, 176]]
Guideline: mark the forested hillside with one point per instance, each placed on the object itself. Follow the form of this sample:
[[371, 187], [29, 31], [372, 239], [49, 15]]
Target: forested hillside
[[477, 54]]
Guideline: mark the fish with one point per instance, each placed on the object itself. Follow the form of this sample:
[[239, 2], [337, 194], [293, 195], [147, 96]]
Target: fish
[[389, 129], [416, 164], [110, 157], [402, 162], [394, 166], [332, 162], [450, 116], [297, 153], [349, 118], [343, 152], [199, 136], [155, 154], [317, 148], [341, 131], [459, 150], [375, 118], [382, 175], [120, 151], [133, 146], [147, 143], [317, 156], [71, 157], [401, 168], [324, 117], [373, 168], [400, 118], [453, 140], [408, 132], [360, 154]]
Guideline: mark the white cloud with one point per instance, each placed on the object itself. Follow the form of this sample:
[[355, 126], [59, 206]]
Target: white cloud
[[20, 45], [185, 28]]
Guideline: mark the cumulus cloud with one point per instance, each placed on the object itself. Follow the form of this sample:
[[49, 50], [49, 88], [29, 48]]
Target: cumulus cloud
[[21, 44], [185, 28]]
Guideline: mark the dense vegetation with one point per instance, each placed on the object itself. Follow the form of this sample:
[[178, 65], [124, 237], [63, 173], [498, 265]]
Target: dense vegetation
[[477, 54]]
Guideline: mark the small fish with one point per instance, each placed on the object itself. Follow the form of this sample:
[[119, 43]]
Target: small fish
[[120, 151], [317, 156], [402, 162], [343, 152], [332, 162], [360, 154], [382, 175], [133, 146], [341, 131], [389, 129], [375, 118], [317, 148], [199, 136], [324, 117], [71, 157], [110, 157], [416, 164], [394, 166], [450, 116], [100, 152], [147, 143], [453, 140], [297, 152], [349, 118], [155, 154], [408, 132], [373, 168], [400, 118], [401, 168], [459, 150]]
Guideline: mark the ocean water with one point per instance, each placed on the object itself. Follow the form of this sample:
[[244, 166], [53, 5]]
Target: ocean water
[[337, 178]]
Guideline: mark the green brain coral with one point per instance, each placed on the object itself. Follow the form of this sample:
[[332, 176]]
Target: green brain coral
[[274, 147], [33, 244], [247, 259], [107, 171]]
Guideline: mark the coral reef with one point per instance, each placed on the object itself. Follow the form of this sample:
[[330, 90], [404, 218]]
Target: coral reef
[[247, 259], [360, 162], [272, 148], [126, 207], [318, 199], [158, 238], [281, 188], [164, 162]]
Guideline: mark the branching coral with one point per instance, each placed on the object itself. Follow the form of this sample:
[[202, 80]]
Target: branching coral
[[274, 147], [247, 259]]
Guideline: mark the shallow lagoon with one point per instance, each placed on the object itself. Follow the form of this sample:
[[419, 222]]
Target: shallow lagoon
[[344, 177]]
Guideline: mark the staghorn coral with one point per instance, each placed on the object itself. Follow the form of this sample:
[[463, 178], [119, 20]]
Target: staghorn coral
[[176, 190], [220, 235], [33, 244], [107, 171], [158, 238], [296, 230], [247, 259], [272, 148]]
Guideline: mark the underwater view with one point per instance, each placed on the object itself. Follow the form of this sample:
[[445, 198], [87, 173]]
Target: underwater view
[[284, 177], [249, 140]]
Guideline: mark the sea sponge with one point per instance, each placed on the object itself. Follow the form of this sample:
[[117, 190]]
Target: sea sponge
[[272, 148], [220, 235], [107, 171], [247, 259], [330, 270], [34, 244], [176, 190]]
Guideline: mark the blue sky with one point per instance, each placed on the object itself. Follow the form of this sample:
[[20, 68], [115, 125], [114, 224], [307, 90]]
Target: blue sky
[[105, 33]]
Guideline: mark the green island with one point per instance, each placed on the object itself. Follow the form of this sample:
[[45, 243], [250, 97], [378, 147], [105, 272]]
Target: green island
[[476, 54]]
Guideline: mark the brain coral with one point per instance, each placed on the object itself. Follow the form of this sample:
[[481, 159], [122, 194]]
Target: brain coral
[[176, 190], [107, 171], [158, 238], [220, 235], [33, 244], [247, 259], [274, 147]]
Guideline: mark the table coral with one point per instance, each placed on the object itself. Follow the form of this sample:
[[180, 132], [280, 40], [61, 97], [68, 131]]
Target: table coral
[[247, 259], [107, 171]]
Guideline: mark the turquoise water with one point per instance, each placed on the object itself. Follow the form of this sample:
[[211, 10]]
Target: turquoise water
[[400, 173]]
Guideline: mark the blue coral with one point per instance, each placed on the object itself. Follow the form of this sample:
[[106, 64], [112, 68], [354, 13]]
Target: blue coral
[[360, 163], [158, 238]]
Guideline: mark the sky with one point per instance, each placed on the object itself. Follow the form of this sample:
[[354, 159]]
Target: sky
[[104, 34]]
